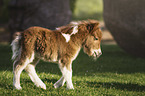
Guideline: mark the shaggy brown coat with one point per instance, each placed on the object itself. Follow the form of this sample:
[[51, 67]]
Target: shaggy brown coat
[[50, 45]]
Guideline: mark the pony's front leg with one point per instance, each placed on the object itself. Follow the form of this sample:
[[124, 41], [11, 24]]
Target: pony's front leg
[[66, 70]]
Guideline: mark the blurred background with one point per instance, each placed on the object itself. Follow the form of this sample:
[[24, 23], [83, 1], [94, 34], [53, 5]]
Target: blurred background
[[9, 12], [125, 23]]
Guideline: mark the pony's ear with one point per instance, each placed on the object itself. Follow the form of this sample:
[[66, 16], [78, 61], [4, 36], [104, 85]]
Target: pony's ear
[[92, 25]]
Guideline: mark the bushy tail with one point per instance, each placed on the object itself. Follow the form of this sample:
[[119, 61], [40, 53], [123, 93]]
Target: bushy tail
[[16, 46]]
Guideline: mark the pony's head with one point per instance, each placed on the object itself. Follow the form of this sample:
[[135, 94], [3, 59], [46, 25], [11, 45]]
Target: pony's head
[[91, 45]]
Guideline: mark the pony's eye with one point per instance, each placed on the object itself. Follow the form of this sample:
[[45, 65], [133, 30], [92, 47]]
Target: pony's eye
[[95, 38]]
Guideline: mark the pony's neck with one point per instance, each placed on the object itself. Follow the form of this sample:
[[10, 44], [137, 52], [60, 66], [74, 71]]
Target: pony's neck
[[80, 37], [74, 34]]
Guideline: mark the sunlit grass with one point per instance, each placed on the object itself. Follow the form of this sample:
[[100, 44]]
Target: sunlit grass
[[115, 73], [88, 9]]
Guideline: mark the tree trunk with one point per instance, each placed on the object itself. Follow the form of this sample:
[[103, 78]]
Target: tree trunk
[[45, 13], [1, 5]]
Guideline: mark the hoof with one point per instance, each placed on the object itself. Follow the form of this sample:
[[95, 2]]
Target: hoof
[[56, 85], [18, 87], [43, 86], [70, 88]]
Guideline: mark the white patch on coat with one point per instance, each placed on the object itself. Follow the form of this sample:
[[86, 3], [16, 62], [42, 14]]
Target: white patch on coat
[[67, 36], [29, 60], [75, 30]]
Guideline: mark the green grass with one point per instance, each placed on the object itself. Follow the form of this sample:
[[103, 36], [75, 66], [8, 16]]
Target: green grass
[[88, 9], [115, 73]]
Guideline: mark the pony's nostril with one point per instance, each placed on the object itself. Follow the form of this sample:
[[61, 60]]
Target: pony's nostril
[[97, 53]]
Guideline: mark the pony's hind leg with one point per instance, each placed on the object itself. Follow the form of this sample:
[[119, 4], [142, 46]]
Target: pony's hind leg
[[30, 69], [18, 67], [59, 83]]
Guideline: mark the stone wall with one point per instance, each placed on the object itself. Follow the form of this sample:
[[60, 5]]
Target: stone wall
[[125, 19]]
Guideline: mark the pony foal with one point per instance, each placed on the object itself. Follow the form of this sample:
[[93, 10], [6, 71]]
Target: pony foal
[[61, 46]]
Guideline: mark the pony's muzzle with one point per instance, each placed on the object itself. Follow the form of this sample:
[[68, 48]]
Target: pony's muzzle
[[97, 53]]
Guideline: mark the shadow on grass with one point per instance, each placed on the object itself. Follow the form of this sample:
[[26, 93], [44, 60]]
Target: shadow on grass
[[48, 80], [6, 86], [116, 85], [113, 60]]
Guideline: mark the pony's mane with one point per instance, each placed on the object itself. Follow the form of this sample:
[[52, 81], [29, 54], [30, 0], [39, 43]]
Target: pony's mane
[[67, 28]]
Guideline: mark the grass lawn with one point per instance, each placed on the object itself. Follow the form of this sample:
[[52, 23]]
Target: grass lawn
[[115, 73]]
